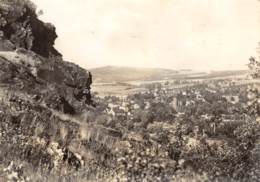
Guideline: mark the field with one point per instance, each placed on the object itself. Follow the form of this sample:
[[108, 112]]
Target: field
[[121, 89]]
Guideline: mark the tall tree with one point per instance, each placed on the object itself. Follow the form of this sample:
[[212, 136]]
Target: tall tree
[[254, 91]]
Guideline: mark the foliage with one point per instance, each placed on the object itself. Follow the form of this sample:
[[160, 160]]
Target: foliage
[[254, 66], [254, 91]]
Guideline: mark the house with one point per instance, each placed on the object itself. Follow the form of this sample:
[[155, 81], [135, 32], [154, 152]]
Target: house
[[136, 106], [234, 99]]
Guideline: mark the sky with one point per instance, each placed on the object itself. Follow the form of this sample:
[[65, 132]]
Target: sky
[[174, 34]]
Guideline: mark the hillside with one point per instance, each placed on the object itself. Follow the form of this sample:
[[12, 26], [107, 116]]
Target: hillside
[[42, 98], [52, 129]]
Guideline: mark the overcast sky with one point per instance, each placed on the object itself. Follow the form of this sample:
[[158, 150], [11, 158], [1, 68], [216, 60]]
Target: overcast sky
[[176, 34]]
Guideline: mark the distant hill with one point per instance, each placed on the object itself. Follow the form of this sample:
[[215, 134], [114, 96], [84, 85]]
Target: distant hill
[[109, 74], [221, 74], [123, 74]]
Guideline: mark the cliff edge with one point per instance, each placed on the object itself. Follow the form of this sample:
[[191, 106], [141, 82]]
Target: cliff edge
[[39, 95]]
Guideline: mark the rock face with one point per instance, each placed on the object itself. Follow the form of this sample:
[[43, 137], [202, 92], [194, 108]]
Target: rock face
[[20, 27], [39, 94], [31, 63], [57, 84]]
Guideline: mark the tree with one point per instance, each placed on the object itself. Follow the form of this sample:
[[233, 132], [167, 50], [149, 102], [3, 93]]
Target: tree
[[254, 66], [254, 91]]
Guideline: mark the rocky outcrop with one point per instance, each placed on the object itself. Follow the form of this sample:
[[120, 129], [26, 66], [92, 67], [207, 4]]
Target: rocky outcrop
[[42, 97], [20, 28], [60, 85], [31, 63]]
